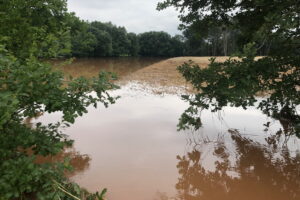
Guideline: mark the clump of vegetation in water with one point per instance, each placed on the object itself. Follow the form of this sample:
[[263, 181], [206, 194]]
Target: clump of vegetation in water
[[237, 81], [29, 87]]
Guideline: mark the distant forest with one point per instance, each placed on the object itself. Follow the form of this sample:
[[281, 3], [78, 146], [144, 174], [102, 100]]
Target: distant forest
[[98, 39]]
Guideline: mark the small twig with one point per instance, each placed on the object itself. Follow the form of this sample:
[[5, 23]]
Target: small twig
[[71, 195]]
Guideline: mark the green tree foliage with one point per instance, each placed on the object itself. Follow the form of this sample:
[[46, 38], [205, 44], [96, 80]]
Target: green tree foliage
[[104, 43], [97, 39], [118, 38], [178, 45], [83, 41], [158, 44], [121, 42], [84, 44], [236, 82], [203, 40], [134, 46], [30, 29]]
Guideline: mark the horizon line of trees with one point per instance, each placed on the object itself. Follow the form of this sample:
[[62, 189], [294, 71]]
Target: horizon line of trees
[[99, 39]]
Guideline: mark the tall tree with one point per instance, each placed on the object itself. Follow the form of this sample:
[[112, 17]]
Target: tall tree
[[155, 44], [119, 40], [134, 46], [178, 46], [104, 42], [83, 41]]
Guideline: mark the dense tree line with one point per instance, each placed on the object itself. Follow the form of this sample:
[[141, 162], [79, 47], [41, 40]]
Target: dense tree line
[[202, 38], [98, 39], [81, 38], [160, 44]]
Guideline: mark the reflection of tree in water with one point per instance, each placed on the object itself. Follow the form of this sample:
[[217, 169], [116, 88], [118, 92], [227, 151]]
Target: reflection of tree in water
[[77, 161], [283, 135], [261, 174]]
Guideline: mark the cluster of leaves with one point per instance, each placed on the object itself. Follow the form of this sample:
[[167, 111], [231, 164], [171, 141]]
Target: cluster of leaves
[[236, 82], [28, 87], [31, 28]]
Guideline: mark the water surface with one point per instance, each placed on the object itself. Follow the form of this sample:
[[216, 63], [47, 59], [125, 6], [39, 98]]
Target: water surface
[[133, 148], [90, 67]]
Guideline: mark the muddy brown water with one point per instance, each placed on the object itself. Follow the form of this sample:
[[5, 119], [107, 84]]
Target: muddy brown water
[[134, 150]]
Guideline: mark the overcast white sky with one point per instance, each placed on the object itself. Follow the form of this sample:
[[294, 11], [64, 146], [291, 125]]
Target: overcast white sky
[[135, 15]]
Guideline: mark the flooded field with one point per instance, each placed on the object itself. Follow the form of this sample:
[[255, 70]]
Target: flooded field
[[90, 67], [134, 150]]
